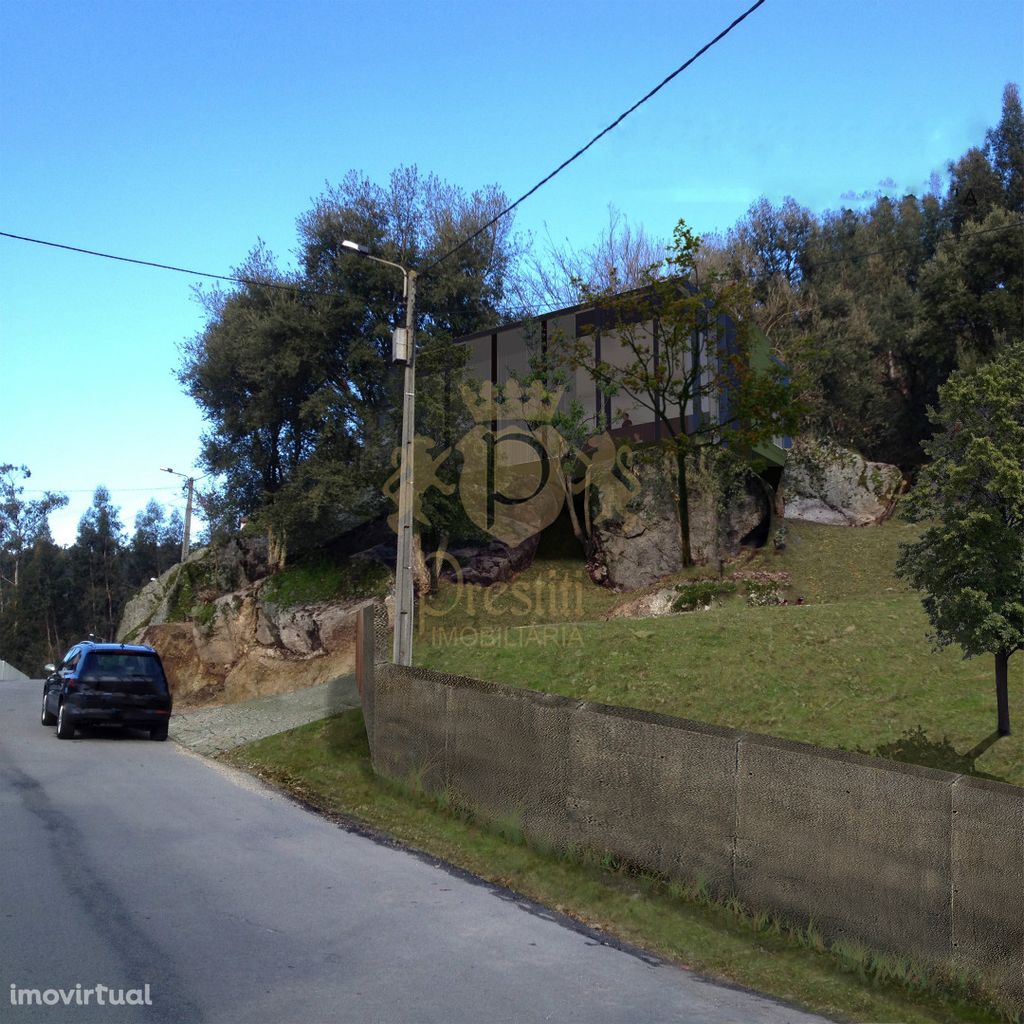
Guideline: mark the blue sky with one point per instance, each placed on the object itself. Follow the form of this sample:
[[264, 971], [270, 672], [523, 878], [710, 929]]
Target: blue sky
[[181, 132]]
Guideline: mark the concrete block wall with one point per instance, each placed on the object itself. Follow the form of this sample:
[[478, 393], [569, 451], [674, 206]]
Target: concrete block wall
[[904, 858]]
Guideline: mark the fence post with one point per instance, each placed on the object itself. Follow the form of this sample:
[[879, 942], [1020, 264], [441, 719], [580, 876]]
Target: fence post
[[365, 657]]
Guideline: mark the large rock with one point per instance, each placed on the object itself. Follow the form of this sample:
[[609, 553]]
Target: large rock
[[148, 606], [250, 648], [207, 572], [824, 483], [495, 562], [640, 546]]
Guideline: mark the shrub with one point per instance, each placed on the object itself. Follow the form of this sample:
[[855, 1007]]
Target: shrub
[[760, 595], [700, 594]]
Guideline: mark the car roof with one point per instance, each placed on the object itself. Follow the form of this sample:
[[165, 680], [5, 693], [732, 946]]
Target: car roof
[[129, 648]]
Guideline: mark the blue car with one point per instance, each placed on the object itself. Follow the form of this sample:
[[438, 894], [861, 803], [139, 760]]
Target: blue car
[[107, 684]]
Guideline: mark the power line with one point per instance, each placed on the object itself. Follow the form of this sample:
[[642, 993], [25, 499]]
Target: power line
[[252, 282], [309, 291], [166, 266], [579, 152], [109, 490]]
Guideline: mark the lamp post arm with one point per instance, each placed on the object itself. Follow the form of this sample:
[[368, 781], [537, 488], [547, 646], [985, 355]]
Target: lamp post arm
[[387, 263]]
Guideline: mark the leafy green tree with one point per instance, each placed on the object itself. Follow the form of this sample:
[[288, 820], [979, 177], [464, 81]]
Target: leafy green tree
[[34, 629], [691, 364], [303, 402], [273, 392], [975, 188], [155, 545], [1004, 146], [969, 561], [972, 292], [97, 568], [23, 592], [873, 374], [21, 521]]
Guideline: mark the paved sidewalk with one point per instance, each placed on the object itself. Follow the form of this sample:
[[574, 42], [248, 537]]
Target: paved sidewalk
[[212, 730]]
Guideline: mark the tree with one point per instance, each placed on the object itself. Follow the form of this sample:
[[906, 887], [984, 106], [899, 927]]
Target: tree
[[694, 363], [617, 262], [972, 293], [23, 524], [21, 521], [297, 382], [156, 544], [1004, 146], [97, 568], [975, 188], [969, 561]]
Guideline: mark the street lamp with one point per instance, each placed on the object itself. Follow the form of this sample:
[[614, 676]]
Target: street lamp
[[403, 351], [188, 509]]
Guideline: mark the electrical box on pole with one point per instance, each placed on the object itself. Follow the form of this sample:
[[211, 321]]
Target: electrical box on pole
[[400, 347]]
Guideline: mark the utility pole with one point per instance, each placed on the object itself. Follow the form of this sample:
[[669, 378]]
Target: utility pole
[[403, 350], [188, 520], [404, 591], [186, 535]]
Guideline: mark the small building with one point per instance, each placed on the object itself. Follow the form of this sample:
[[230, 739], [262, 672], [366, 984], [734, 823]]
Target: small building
[[497, 355]]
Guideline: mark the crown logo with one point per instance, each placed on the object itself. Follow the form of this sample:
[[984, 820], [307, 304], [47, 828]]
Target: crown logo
[[534, 404], [482, 405]]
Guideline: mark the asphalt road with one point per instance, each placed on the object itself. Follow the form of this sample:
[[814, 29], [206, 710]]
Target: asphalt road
[[129, 863]]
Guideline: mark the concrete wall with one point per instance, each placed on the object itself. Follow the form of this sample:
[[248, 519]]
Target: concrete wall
[[904, 858], [8, 673]]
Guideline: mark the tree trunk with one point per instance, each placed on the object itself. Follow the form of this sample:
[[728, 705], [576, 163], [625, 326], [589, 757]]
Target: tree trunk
[[277, 549], [435, 562], [1002, 695], [574, 520], [421, 578], [684, 510]]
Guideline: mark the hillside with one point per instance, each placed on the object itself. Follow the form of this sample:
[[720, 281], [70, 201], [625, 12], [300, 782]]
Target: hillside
[[851, 667]]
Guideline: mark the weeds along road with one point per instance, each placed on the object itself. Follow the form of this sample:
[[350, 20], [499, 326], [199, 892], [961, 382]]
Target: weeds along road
[[128, 863]]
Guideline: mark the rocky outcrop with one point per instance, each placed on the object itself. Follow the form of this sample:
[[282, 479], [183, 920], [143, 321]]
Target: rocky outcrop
[[148, 605], [646, 606], [221, 640], [207, 572], [250, 648], [640, 546], [824, 483]]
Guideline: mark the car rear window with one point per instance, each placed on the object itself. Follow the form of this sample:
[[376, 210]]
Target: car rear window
[[123, 665]]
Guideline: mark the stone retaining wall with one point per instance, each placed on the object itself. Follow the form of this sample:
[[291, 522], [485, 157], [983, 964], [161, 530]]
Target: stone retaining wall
[[903, 858]]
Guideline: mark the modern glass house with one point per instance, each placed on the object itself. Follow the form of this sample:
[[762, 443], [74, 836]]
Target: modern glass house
[[497, 355]]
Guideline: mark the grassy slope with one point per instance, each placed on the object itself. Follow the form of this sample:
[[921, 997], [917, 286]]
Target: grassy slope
[[852, 667]]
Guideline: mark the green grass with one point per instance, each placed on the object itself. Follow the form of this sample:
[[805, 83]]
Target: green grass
[[319, 579], [850, 668], [327, 764]]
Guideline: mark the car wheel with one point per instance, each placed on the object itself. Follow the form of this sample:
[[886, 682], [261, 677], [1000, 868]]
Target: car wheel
[[45, 717], [158, 733], [65, 727]]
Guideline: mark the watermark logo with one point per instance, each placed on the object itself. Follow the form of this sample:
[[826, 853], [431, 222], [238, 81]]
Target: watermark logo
[[513, 480], [562, 635], [517, 474], [554, 599], [97, 995]]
